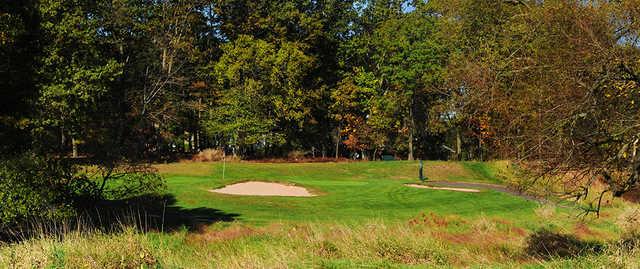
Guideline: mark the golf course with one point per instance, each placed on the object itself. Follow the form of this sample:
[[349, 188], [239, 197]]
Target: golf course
[[319, 134], [345, 192], [359, 215]]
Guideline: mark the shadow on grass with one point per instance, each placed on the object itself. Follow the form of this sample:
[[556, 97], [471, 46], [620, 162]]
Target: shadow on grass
[[547, 244], [149, 213], [153, 213]]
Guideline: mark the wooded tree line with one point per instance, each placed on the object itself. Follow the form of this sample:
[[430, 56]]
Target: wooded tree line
[[462, 79]]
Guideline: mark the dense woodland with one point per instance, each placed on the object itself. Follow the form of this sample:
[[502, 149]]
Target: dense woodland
[[117, 82]]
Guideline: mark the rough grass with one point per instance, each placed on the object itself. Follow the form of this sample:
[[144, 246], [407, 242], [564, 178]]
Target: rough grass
[[365, 218], [427, 240]]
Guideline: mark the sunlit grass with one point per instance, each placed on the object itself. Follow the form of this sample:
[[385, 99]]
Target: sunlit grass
[[364, 217], [351, 192]]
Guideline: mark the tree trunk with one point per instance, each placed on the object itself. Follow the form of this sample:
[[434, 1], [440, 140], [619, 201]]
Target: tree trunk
[[63, 140], [198, 128], [74, 148], [186, 146], [480, 151], [411, 129], [164, 59], [458, 145], [197, 140], [410, 157], [192, 142], [338, 143]]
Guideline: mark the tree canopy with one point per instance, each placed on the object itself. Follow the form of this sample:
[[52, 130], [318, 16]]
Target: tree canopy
[[553, 82]]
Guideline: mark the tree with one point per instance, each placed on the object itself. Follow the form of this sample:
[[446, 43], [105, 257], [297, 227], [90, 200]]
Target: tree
[[404, 53], [357, 107], [164, 47], [318, 28], [560, 78], [77, 71], [477, 34], [261, 92]]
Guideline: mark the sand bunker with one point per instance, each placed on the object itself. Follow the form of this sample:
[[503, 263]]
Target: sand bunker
[[442, 188], [264, 189]]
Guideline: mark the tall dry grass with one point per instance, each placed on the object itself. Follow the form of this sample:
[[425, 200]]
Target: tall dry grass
[[428, 240]]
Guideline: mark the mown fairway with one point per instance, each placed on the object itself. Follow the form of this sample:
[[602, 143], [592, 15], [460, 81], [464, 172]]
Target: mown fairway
[[347, 192]]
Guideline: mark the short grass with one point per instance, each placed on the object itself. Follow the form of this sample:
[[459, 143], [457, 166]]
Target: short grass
[[347, 192], [363, 217]]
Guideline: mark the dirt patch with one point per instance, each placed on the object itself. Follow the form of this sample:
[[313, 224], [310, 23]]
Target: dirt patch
[[257, 188], [209, 235], [223, 235], [434, 220], [583, 231], [632, 196], [442, 188]]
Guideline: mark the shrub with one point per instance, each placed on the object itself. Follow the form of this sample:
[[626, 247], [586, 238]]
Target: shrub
[[40, 191], [134, 184], [37, 187]]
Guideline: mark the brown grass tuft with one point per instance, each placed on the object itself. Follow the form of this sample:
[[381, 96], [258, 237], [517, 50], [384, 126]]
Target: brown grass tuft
[[582, 231], [235, 231], [433, 220], [208, 155]]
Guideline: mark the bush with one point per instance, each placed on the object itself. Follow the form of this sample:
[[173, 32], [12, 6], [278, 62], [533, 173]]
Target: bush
[[37, 187], [135, 184], [51, 189]]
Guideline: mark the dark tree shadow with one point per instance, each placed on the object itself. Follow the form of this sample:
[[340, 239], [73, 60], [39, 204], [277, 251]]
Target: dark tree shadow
[[148, 213], [547, 244], [153, 213]]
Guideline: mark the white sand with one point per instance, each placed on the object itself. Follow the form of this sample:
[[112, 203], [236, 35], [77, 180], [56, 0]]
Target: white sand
[[442, 188], [264, 189]]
